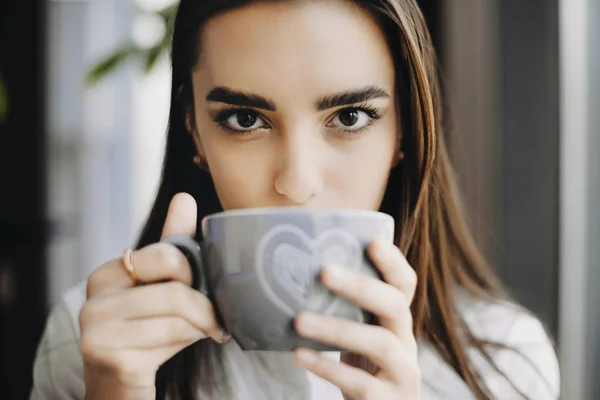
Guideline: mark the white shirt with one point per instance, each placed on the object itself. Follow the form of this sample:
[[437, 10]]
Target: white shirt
[[58, 367]]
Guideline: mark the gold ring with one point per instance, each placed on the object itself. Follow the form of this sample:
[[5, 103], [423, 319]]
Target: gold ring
[[128, 264]]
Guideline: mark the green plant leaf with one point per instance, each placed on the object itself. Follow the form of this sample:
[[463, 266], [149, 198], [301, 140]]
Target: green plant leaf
[[155, 52], [150, 56], [110, 63], [3, 100], [168, 16], [168, 12]]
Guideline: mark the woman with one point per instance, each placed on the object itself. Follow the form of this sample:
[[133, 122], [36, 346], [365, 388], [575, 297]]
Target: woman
[[319, 104]]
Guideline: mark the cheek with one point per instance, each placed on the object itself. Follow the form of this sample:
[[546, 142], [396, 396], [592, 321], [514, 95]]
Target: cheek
[[361, 176], [242, 176], [361, 173]]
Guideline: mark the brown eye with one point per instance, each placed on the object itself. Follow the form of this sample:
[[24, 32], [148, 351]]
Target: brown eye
[[348, 117], [246, 119], [351, 119]]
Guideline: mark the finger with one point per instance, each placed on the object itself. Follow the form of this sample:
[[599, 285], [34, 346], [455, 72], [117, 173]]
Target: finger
[[154, 263], [138, 334], [393, 266], [387, 302], [171, 299], [167, 352], [181, 217], [382, 346], [133, 364], [353, 382]]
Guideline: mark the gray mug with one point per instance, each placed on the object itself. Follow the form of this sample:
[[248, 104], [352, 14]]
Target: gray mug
[[261, 267]]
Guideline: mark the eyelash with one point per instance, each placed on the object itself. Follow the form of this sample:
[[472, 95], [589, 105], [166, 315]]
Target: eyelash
[[371, 111], [223, 115]]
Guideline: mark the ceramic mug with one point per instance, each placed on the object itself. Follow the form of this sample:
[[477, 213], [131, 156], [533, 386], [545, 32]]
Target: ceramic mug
[[261, 267]]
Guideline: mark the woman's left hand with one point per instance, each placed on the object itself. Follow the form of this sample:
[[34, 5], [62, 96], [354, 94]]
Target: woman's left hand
[[391, 345]]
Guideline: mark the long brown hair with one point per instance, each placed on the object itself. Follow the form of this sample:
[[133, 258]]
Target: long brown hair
[[421, 195]]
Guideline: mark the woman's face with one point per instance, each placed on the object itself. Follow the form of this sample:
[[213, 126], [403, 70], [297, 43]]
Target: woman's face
[[294, 105]]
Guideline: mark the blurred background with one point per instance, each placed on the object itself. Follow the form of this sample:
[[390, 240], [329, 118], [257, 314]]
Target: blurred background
[[84, 95]]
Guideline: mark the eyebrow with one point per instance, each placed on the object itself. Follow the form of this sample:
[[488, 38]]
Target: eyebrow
[[237, 98], [223, 94], [351, 97]]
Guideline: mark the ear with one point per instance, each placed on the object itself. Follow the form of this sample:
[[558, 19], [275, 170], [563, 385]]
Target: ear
[[398, 154], [193, 131], [190, 123]]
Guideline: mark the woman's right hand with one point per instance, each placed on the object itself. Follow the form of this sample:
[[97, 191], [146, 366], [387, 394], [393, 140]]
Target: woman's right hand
[[129, 331]]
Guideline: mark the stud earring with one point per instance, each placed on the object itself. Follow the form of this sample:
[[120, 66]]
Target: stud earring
[[398, 159], [200, 162]]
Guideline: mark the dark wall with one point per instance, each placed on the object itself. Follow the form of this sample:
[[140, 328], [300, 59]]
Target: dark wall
[[530, 119], [434, 15], [22, 193]]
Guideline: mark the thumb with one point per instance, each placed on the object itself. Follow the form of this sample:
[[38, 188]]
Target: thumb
[[181, 217]]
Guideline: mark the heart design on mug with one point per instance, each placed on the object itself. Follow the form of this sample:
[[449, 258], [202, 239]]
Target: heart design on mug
[[289, 263]]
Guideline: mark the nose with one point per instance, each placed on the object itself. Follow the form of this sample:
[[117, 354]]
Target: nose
[[299, 177]]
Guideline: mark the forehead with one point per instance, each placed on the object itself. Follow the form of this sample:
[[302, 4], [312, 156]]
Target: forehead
[[301, 47]]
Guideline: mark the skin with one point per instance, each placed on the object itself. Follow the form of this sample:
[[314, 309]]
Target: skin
[[297, 153], [298, 161]]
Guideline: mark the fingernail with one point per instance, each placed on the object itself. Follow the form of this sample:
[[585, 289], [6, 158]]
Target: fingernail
[[382, 249], [384, 245], [306, 356], [308, 323], [224, 336], [335, 271], [380, 239]]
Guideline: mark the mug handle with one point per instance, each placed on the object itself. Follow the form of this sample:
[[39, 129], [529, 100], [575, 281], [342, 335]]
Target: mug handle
[[193, 252]]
